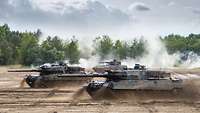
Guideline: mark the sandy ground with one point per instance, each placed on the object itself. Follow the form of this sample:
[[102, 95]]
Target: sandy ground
[[14, 99]]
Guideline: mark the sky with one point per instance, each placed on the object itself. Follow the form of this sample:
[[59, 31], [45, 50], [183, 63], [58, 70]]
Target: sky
[[90, 18]]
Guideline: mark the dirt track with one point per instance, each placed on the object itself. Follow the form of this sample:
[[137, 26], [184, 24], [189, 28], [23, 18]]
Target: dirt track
[[25, 100]]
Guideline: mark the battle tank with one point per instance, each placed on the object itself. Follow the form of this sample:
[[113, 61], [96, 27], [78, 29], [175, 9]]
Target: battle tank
[[137, 79], [109, 65], [50, 75]]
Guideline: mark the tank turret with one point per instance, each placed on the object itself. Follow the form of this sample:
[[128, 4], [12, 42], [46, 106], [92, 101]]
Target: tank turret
[[109, 65], [48, 68]]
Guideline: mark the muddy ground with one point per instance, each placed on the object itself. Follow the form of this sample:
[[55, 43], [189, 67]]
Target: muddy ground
[[14, 99]]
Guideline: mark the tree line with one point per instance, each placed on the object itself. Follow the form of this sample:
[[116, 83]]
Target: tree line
[[106, 47], [26, 48], [183, 44]]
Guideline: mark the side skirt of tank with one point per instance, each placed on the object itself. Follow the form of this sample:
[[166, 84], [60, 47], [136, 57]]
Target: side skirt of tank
[[108, 93], [39, 83]]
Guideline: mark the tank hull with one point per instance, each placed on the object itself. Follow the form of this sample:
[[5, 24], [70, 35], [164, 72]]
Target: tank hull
[[165, 88], [54, 81], [164, 84], [107, 93]]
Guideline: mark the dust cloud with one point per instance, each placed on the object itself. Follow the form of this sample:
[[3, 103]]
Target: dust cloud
[[156, 57]]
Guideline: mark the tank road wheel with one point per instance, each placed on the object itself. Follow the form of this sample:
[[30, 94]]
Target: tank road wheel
[[30, 80], [94, 90], [91, 91], [35, 82], [100, 93]]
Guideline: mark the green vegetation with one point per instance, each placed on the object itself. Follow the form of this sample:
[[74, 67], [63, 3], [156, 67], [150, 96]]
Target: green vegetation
[[105, 46], [26, 48], [182, 44]]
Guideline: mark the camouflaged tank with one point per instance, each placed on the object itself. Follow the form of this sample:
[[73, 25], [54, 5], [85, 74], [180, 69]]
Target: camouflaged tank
[[51, 75], [137, 79]]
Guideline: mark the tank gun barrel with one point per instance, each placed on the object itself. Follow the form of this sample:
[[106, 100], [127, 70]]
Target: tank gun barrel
[[24, 70]]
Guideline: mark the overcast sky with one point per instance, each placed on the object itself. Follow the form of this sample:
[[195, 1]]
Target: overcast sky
[[118, 18]]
